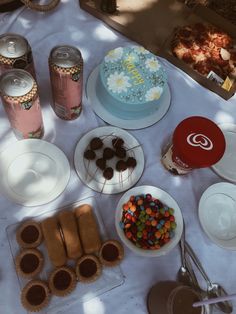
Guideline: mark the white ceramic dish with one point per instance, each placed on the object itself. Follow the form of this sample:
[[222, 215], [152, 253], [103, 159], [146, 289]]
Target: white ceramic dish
[[226, 167], [33, 172], [92, 176], [217, 214], [167, 200], [125, 124]]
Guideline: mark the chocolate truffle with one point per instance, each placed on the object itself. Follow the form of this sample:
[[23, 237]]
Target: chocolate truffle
[[96, 143], [62, 281], [29, 234], [111, 253], [121, 165], [29, 263], [35, 295], [89, 154], [117, 142], [88, 268], [108, 153], [120, 152], [131, 162], [108, 173], [101, 163]]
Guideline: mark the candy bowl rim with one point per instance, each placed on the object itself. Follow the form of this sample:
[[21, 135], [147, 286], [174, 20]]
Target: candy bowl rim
[[164, 197]]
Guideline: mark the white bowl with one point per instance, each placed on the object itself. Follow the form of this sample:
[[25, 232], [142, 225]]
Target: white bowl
[[217, 214], [166, 199]]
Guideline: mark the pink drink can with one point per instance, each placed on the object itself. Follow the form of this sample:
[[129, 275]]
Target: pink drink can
[[20, 99], [66, 73], [15, 53]]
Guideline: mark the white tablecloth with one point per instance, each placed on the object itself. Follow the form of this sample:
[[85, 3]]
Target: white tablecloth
[[68, 24]]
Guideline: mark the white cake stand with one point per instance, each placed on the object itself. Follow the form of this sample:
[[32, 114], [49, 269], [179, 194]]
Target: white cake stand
[[130, 124]]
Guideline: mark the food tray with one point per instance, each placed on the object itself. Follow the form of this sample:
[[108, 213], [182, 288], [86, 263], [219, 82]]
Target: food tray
[[111, 276]]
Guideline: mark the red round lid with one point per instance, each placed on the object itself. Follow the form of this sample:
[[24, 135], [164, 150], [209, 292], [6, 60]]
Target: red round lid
[[198, 142]]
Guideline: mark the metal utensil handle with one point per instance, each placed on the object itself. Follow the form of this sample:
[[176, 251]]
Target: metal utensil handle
[[182, 247], [197, 262], [192, 273]]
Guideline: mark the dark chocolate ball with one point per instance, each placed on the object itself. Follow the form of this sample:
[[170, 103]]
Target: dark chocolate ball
[[117, 142], [89, 154], [101, 163], [108, 153], [131, 162], [121, 165], [120, 152], [108, 173], [95, 143]]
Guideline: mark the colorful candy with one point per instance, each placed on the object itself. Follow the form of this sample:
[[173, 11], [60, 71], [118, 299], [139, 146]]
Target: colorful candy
[[147, 222]]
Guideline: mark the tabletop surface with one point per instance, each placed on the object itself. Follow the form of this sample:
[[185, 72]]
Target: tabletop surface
[[68, 24]]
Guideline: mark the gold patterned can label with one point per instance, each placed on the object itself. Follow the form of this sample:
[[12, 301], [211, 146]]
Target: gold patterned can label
[[21, 102], [66, 74]]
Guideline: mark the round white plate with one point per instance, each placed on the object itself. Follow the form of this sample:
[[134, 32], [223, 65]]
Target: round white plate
[[92, 176], [167, 200], [33, 172], [125, 124], [217, 214], [226, 167]]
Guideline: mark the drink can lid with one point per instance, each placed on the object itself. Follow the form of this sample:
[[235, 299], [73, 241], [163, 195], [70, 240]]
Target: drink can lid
[[65, 56], [16, 83], [13, 45], [198, 142]]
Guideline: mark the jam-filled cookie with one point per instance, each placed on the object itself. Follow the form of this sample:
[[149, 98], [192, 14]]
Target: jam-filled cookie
[[29, 263], [35, 295], [29, 234], [88, 268], [62, 281], [111, 253]]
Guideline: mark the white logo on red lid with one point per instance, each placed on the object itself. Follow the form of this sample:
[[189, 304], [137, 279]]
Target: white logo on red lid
[[201, 140]]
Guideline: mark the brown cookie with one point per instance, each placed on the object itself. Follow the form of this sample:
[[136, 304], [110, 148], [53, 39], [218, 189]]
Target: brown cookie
[[88, 229], [35, 295], [29, 263], [70, 234], [88, 268], [62, 281], [111, 253], [53, 241], [29, 234]]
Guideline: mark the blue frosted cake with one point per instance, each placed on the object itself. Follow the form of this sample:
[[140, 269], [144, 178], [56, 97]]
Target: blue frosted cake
[[131, 82]]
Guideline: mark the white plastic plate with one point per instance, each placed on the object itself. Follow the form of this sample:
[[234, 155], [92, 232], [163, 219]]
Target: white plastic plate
[[217, 214], [93, 177], [33, 172]]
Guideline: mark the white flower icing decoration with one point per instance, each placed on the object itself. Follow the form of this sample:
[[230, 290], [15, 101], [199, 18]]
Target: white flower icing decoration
[[140, 49], [114, 55], [118, 82], [152, 64], [154, 93]]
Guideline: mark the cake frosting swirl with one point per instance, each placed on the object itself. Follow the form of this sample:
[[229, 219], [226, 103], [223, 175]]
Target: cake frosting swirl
[[131, 82]]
